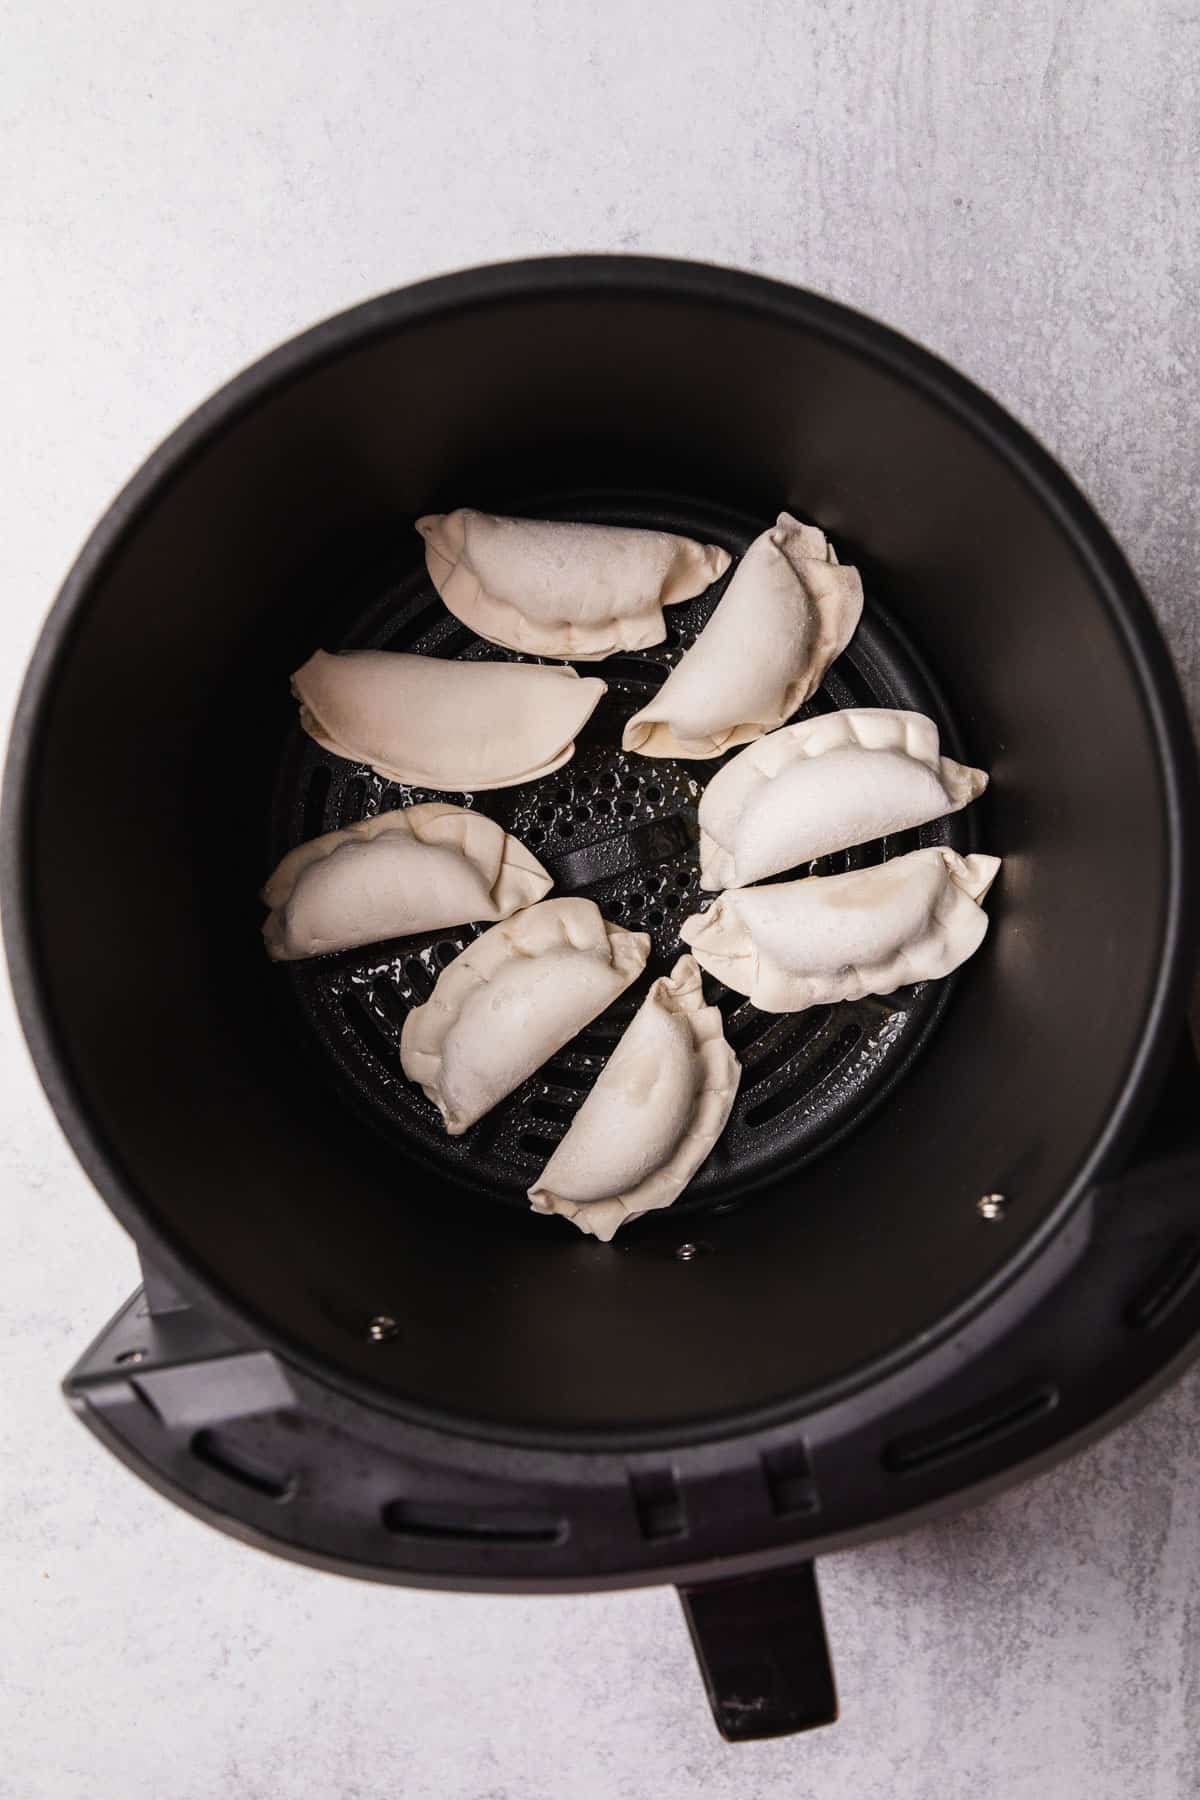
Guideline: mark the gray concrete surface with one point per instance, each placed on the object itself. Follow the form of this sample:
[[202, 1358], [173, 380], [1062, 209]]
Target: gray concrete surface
[[179, 190]]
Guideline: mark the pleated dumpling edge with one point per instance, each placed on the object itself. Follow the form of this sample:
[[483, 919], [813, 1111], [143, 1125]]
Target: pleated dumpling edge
[[824, 785], [513, 998], [411, 869], [790, 609], [564, 589], [795, 944], [656, 1110]]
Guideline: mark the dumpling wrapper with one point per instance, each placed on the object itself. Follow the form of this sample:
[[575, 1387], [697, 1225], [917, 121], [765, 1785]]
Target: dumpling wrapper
[[462, 726], [659, 1105], [841, 779], [789, 610], [837, 937], [578, 591], [514, 997], [416, 869]]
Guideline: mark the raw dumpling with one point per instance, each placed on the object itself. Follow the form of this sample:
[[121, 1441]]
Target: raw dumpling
[[838, 937], [514, 997], [823, 785], [417, 869], [465, 726], [658, 1107], [789, 610], [579, 591]]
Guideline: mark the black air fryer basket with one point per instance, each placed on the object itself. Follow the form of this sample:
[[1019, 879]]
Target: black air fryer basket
[[946, 1236]]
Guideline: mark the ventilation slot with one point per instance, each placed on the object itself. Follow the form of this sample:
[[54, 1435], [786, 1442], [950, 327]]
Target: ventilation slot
[[789, 1479], [551, 1111], [418, 978], [541, 1147], [580, 1080], [459, 640], [658, 1503], [629, 668], [391, 1004], [1174, 1277], [314, 802], [415, 627], [366, 1030], [748, 1030], [352, 803], [485, 1133], [824, 1048], [814, 1074], [603, 1033], [462, 1525], [968, 1431], [787, 1049], [236, 1465]]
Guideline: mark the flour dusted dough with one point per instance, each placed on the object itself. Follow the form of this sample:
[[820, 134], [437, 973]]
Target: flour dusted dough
[[461, 726], [841, 779], [417, 869], [658, 1107], [514, 997], [577, 591], [837, 937], [789, 610]]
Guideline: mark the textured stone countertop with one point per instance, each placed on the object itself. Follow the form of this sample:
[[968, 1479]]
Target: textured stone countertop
[[180, 189]]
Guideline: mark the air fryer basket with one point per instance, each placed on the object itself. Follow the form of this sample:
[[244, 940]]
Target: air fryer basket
[[945, 1234], [622, 831]]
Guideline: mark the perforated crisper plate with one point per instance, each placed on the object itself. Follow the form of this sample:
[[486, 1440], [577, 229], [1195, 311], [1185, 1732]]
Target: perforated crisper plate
[[621, 830]]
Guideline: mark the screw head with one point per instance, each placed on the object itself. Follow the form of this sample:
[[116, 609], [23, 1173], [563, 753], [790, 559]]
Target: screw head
[[992, 1207], [382, 1327]]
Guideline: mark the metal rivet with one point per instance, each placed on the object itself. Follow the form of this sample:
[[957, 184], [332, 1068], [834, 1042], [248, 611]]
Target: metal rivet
[[689, 1252], [381, 1328], [131, 1356], [992, 1206]]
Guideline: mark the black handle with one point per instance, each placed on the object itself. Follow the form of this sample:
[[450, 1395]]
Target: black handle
[[763, 1653]]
